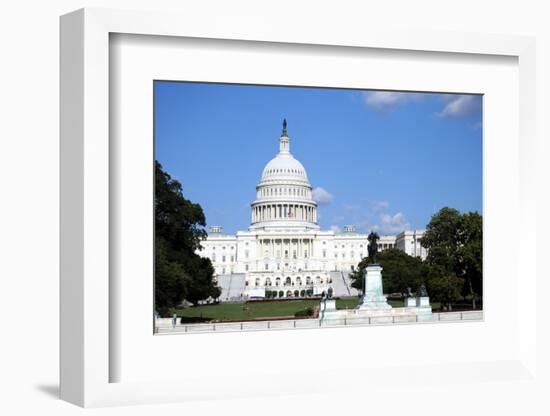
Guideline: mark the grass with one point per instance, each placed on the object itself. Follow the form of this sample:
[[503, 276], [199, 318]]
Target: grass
[[259, 310]]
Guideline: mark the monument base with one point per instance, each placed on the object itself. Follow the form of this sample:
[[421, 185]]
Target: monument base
[[410, 302], [327, 308], [374, 299]]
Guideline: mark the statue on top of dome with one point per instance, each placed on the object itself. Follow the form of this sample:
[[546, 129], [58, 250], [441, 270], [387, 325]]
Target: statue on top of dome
[[284, 127]]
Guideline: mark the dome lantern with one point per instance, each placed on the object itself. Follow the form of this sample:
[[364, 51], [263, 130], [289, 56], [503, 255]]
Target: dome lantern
[[284, 141]]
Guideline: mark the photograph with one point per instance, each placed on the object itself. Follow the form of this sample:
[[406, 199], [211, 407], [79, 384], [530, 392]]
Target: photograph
[[289, 207]]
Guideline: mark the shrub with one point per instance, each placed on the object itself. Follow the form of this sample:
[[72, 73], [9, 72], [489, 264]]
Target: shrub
[[308, 312]]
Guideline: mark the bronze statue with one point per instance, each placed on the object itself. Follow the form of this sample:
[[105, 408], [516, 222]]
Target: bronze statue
[[373, 246], [422, 292]]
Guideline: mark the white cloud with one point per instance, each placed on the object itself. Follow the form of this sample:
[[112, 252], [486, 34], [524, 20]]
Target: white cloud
[[336, 229], [393, 224], [461, 106], [322, 196], [379, 206], [389, 99]]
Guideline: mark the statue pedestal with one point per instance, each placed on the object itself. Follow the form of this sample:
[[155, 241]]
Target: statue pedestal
[[328, 305], [410, 302], [423, 302], [373, 298], [327, 308]]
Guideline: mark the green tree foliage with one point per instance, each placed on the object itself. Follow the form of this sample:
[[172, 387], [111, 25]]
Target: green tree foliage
[[400, 271], [455, 258], [179, 228]]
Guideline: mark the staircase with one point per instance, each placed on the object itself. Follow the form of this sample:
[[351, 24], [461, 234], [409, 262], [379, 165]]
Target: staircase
[[232, 286], [341, 284]]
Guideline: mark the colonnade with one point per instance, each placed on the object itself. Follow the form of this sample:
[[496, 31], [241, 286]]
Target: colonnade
[[270, 212], [285, 248]]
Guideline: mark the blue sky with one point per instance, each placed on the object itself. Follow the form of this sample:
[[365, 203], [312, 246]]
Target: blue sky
[[377, 159]]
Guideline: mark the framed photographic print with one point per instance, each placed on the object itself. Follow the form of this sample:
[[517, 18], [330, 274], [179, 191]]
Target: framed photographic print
[[273, 201], [287, 255]]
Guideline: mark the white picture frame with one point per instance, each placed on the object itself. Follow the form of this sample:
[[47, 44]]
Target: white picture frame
[[87, 356]]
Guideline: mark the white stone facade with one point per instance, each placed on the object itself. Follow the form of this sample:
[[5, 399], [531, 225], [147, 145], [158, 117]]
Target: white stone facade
[[284, 248]]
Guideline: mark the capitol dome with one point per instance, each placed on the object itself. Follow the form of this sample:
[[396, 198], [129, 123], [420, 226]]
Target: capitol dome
[[284, 166], [283, 196]]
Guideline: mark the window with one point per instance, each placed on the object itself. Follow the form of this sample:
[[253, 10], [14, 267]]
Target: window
[[305, 254], [213, 256], [286, 254], [246, 267], [223, 259], [324, 253], [232, 259], [246, 254], [267, 266]]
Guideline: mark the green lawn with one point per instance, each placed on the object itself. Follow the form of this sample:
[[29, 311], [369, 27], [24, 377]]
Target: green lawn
[[256, 310]]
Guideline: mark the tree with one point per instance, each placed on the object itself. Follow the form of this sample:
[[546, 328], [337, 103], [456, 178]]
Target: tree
[[180, 273], [454, 244], [471, 255], [400, 271]]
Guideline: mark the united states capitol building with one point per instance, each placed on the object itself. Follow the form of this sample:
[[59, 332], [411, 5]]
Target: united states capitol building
[[284, 250]]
